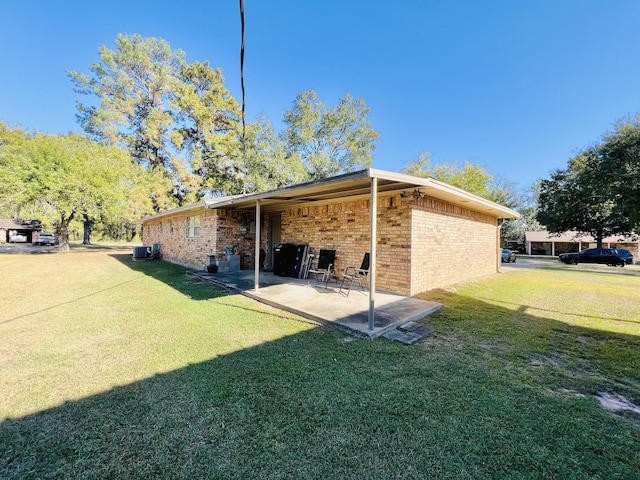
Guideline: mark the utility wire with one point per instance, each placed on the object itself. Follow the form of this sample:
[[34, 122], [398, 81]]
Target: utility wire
[[244, 149]]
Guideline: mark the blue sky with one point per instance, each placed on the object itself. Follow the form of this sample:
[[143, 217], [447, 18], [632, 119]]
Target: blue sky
[[515, 86]]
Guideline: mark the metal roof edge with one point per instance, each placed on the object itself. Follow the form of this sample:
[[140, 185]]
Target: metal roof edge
[[292, 188], [399, 177], [472, 197], [450, 193], [444, 187]]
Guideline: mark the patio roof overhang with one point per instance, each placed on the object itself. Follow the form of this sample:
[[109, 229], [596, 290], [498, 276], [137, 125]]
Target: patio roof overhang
[[357, 186], [369, 184]]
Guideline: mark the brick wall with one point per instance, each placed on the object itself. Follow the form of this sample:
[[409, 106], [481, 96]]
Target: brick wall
[[450, 244], [218, 229], [345, 227], [422, 243], [229, 233]]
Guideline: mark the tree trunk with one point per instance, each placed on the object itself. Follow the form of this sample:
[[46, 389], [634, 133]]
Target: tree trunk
[[599, 236], [63, 236], [88, 228]]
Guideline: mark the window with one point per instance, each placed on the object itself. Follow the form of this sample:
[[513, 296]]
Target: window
[[193, 226]]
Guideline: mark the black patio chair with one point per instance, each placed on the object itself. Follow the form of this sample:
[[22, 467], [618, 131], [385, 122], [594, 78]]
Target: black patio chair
[[324, 266], [354, 274]]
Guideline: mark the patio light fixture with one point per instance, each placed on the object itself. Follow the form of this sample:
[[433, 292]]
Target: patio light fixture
[[413, 195]]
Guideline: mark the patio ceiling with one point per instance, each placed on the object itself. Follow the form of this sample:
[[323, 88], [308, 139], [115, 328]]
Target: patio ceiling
[[357, 186]]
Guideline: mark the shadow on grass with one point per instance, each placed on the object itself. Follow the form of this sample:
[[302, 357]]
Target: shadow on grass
[[193, 287], [162, 271], [99, 246], [172, 275], [465, 403], [629, 270], [523, 308]]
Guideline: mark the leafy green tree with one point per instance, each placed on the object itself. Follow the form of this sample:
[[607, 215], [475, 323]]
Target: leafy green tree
[[207, 129], [133, 82], [178, 119], [70, 177], [474, 179], [514, 229], [468, 176], [620, 166], [12, 189], [174, 118], [583, 198], [329, 141], [269, 166]]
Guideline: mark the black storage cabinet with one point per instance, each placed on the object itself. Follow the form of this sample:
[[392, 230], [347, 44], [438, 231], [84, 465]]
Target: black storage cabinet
[[284, 256]]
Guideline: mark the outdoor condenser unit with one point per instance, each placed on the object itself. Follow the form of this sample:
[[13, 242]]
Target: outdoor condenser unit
[[141, 253]]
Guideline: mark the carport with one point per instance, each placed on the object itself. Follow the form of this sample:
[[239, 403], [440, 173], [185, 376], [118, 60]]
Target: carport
[[8, 226]]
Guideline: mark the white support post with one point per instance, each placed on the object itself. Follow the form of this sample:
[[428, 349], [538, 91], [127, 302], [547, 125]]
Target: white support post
[[498, 246], [256, 282], [372, 252]]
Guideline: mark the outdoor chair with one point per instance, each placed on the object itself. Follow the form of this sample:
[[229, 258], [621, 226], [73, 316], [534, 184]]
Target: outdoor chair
[[324, 266], [354, 274]]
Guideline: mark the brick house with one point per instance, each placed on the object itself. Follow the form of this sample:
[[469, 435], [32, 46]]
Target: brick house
[[427, 234]]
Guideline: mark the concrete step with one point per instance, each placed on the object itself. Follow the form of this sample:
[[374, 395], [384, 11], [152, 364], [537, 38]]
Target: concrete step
[[408, 333]]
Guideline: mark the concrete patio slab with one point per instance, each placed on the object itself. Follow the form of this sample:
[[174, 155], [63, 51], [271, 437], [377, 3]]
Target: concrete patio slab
[[325, 304]]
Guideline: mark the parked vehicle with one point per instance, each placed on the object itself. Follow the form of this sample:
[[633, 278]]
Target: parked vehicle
[[626, 254], [17, 238], [46, 239], [605, 256], [508, 256]]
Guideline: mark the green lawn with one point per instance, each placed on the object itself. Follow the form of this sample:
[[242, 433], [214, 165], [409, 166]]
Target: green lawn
[[111, 368]]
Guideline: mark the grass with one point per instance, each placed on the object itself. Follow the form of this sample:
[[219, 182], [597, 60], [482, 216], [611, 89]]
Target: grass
[[117, 369]]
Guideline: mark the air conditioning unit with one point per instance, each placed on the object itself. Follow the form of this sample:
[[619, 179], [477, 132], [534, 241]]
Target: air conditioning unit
[[141, 253]]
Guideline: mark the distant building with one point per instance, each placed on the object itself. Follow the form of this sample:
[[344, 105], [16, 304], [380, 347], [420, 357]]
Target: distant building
[[546, 243], [15, 226]]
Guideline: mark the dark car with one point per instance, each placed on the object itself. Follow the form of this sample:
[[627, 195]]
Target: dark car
[[508, 256], [605, 256], [626, 254]]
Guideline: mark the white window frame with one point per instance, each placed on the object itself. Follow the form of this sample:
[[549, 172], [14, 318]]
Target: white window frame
[[193, 226]]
